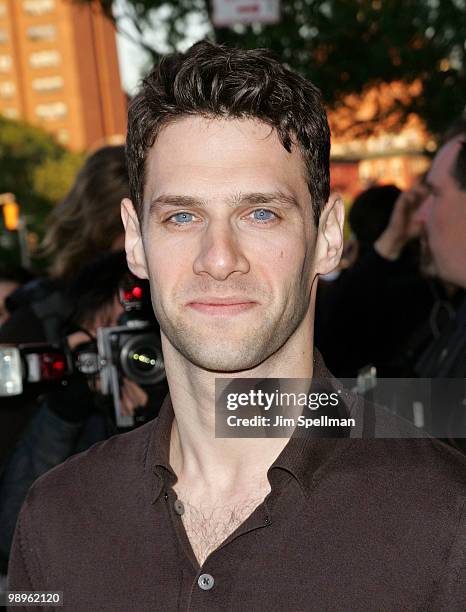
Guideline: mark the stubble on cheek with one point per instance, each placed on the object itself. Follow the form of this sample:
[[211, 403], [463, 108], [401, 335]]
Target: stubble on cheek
[[242, 342]]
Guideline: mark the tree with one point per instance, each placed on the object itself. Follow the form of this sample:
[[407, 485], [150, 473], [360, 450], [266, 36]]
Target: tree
[[37, 170], [343, 46]]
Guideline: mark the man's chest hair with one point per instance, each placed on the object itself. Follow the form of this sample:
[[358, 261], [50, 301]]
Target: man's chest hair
[[208, 526]]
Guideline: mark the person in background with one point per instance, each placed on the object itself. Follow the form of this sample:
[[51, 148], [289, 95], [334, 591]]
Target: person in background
[[84, 225], [442, 219], [81, 227], [435, 347], [367, 218], [365, 316], [73, 416]]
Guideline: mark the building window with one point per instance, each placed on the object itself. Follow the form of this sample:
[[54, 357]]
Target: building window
[[45, 59], [5, 63], [10, 113], [3, 36], [52, 83], [7, 89], [50, 112], [42, 32], [2, 9], [38, 7]]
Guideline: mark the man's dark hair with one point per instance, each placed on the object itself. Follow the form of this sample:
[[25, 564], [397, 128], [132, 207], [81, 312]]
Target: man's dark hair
[[215, 81], [458, 170], [370, 213], [97, 284]]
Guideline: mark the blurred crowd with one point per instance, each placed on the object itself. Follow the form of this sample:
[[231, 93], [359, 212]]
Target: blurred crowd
[[396, 307], [398, 304], [60, 313]]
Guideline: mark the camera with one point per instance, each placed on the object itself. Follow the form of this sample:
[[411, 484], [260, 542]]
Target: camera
[[32, 363], [131, 349]]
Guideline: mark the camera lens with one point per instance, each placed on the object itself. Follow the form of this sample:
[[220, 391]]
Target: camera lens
[[141, 359]]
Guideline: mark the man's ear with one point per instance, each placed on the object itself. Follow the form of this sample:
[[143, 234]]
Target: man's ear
[[135, 255], [329, 246]]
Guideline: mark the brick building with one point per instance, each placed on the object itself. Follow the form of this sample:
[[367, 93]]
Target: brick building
[[59, 70]]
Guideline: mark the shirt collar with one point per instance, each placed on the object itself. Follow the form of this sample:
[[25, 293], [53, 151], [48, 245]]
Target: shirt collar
[[158, 460], [302, 457]]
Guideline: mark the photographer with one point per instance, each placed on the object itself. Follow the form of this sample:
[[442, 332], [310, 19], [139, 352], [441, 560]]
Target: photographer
[[75, 415], [85, 224]]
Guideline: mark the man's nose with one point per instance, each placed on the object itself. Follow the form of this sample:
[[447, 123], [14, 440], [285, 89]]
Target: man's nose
[[220, 253]]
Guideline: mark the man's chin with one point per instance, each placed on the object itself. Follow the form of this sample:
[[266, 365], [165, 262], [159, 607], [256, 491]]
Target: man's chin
[[217, 354], [223, 362]]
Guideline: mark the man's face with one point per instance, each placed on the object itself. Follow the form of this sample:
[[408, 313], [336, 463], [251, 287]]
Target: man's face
[[228, 241], [443, 215]]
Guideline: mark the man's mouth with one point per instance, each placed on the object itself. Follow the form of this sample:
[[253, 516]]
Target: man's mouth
[[222, 306]]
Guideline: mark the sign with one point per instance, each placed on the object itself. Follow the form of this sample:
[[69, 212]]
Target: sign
[[230, 12]]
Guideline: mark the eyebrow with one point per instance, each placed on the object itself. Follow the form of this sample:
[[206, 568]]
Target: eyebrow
[[239, 199]]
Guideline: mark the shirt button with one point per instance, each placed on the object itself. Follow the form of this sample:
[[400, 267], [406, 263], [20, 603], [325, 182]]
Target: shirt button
[[179, 508], [205, 581]]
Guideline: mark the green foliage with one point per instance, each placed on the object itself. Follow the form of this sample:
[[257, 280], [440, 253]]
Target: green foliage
[[53, 178], [37, 170], [344, 46]]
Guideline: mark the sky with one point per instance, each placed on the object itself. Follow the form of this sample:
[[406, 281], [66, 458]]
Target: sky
[[131, 63], [132, 59]]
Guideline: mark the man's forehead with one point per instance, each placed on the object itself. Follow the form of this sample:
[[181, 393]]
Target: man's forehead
[[215, 152]]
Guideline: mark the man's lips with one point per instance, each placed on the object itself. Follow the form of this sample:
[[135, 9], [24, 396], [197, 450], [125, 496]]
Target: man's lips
[[222, 306]]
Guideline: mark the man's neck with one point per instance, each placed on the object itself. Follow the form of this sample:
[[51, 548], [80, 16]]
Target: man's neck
[[223, 466]]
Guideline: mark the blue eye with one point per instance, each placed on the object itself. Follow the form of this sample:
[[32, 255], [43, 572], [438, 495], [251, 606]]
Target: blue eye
[[182, 218], [262, 214]]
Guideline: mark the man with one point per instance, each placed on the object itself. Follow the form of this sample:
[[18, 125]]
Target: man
[[436, 210], [231, 220], [442, 216]]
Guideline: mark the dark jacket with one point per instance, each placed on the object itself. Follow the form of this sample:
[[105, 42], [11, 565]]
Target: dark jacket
[[367, 315], [47, 442]]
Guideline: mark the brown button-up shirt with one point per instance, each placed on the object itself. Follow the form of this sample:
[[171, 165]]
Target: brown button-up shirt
[[349, 524]]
